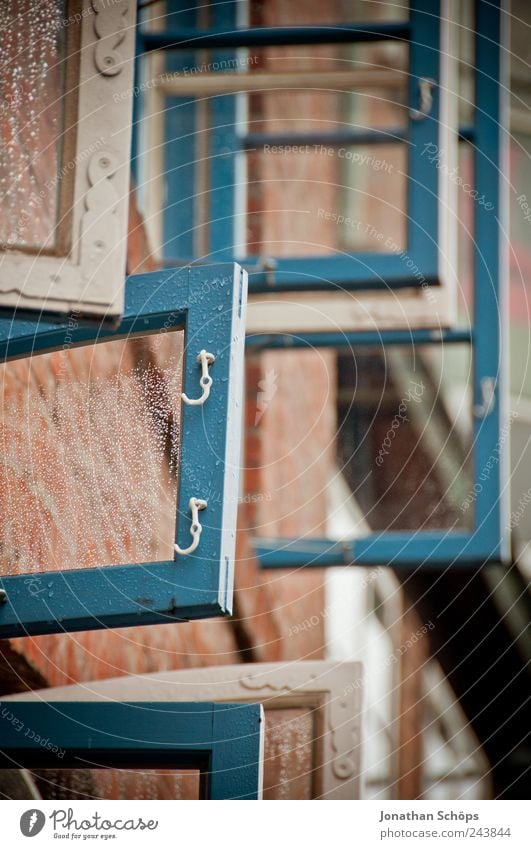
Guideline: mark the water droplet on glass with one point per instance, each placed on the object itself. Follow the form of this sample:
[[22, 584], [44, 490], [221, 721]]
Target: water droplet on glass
[[92, 450]]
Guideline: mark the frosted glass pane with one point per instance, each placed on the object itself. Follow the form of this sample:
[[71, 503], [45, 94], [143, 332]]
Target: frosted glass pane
[[117, 783], [32, 116], [90, 453], [288, 756]]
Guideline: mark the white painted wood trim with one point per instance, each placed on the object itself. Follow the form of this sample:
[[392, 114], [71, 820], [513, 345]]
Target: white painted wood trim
[[336, 312], [198, 85], [448, 148]]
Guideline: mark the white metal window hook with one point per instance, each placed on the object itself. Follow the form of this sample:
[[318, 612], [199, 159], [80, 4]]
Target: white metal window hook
[[196, 504], [205, 381]]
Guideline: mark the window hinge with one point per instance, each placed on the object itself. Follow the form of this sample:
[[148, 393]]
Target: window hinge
[[267, 265], [426, 87]]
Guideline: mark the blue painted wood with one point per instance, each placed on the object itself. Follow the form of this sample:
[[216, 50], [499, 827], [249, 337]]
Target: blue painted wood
[[356, 339], [338, 138], [179, 39], [223, 741], [397, 550], [295, 553], [179, 219], [223, 150], [349, 272], [209, 303], [252, 141], [236, 767]]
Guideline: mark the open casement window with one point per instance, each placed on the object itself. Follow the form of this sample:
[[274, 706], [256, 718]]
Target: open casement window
[[313, 716], [121, 458], [465, 518], [426, 456], [419, 471], [319, 153], [65, 162], [84, 749], [421, 452]]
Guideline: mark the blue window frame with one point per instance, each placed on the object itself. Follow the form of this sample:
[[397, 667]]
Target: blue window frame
[[224, 742], [429, 243], [208, 303], [489, 538]]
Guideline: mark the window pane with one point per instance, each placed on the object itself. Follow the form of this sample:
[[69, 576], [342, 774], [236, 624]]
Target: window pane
[[396, 457], [316, 199], [198, 201], [361, 189], [32, 98], [116, 783], [374, 78], [405, 431], [374, 198], [289, 754], [90, 447], [297, 442]]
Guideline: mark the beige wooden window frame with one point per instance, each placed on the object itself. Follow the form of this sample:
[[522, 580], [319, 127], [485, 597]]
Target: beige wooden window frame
[[332, 689], [87, 276]]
